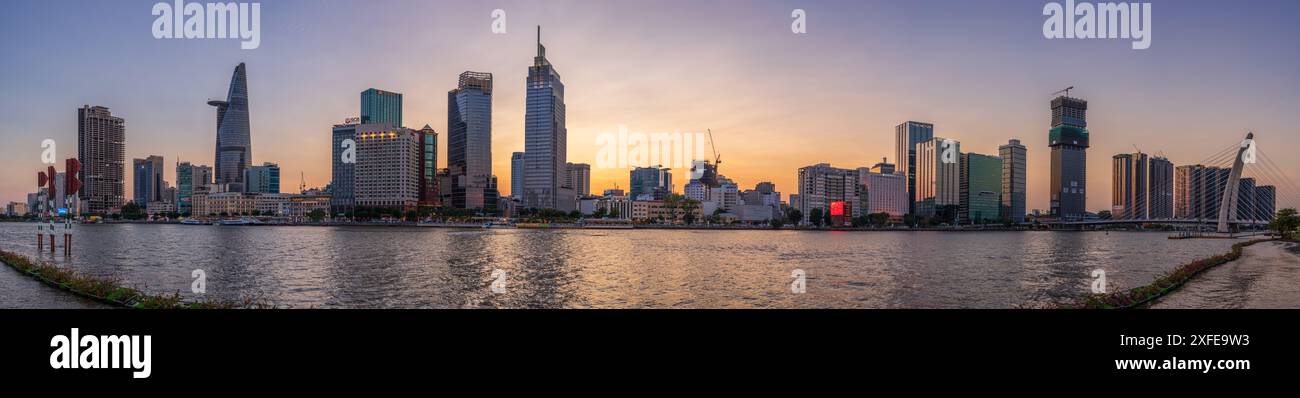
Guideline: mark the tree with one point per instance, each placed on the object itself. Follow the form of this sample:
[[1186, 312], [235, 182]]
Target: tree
[[793, 215], [132, 211], [1286, 223], [316, 215], [826, 218], [878, 219], [1104, 215], [776, 223], [815, 215], [613, 212]]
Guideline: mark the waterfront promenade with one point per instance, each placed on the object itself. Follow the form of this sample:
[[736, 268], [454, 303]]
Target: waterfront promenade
[[1266, 276]]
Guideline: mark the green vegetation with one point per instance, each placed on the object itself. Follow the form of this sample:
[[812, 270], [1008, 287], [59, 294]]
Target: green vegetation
[[1286, 223], [1164, 284], [109, 290], [132, 211]]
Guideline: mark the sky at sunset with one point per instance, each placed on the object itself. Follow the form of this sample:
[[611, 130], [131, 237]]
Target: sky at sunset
[[980, 71]]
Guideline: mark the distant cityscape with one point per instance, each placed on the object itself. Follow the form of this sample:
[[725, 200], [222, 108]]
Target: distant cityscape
[[382, 170]]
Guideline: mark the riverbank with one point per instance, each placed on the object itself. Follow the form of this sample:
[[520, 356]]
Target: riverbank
[[107, 291], [21, 291], [1143, 296], [1264, 277]]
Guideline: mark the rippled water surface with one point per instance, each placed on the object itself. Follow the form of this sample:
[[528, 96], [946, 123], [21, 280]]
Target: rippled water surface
[[411, 267]]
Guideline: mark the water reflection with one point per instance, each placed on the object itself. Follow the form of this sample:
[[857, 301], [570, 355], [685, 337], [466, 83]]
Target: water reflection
[[407, 267]]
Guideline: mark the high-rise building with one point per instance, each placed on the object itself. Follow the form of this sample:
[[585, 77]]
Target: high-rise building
[[820, 185], [387, 173], [101, 148], [545, 135], [938, 179], [1014, 165], [649, 183], [579, 178], [907, 135], [1198, 191], [343, 170], [262, 179], [148, 183], [885, 191], [1266, 202], [696, 190], [1160, 194], [1198, 195], [429, 196], [1129, 186], [884, 167], [1068, 139], [189, 177], [517, 175], [234, 148], [381, 107], [981, 189], [469, 142]]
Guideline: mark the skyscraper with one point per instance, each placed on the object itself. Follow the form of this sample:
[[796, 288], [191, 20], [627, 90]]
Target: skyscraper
[[343, 169], [1198, 191], [938, 179], [906, 136], [820, 185], [517, 175], [188, 178], [545, 135], [234, 149], [469, 142], [101, 148], [650, 182], [148, 182], [262, 179], [429, 196], [1160, 194], [1013, 180], [579, 178], [1068, 139], [381, 107], [980, 199], [1129, 186], [387, 173]]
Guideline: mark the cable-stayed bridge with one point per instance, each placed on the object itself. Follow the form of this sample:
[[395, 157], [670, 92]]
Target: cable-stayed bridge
[[1237, 188]]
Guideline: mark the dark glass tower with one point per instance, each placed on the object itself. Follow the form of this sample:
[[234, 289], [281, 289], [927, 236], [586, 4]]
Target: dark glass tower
[[381, 107], [545, 135], [469, 142], [234, 149], [1068, 139]]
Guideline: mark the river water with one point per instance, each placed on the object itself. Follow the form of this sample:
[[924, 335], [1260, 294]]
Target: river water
[[412, 267]]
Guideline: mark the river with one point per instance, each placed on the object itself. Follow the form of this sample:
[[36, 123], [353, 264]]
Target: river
[[413, 267]]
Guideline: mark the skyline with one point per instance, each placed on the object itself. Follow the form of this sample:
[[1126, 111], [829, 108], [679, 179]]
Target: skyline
[[974, 100]]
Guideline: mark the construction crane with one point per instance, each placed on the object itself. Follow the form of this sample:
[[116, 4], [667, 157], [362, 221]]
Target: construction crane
[[717, 159], [1066, 91]]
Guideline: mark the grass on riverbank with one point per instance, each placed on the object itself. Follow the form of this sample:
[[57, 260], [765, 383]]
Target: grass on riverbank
[[1163, 285], [109, 290]]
